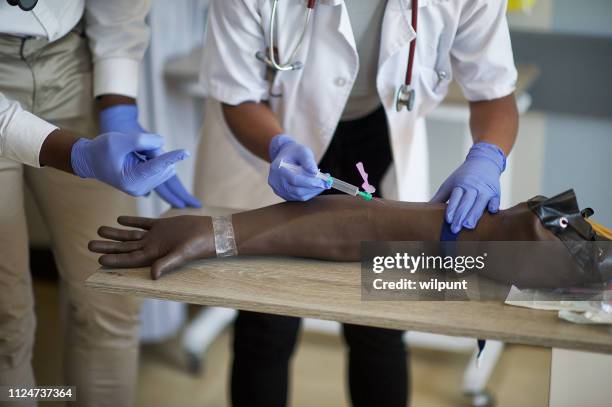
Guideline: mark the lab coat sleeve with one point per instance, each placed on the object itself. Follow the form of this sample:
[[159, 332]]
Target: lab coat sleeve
[[21, 133], [481, 54], [118, 38], [230, 72]]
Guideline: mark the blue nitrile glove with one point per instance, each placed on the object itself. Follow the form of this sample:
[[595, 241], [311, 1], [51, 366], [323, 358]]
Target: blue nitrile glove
[[289, 185], [124, 119], [116, 159], [473, 186]]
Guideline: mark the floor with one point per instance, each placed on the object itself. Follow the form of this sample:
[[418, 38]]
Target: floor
[[521, 377]]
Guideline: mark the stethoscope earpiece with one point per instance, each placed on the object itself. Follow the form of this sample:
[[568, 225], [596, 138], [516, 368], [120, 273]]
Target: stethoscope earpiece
[[404, 98]]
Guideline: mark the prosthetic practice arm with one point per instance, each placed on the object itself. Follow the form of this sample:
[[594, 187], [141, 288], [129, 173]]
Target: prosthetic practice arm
[[327, 228]]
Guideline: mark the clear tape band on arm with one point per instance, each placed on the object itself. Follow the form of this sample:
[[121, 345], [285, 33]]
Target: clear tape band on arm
[[225, 243]]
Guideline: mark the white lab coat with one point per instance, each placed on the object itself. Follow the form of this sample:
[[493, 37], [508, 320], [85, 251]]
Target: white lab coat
[[467, 40]]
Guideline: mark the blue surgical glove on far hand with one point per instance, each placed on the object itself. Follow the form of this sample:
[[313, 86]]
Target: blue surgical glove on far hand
[[116, 159], [473, 187], [124, 119], [287, 184]]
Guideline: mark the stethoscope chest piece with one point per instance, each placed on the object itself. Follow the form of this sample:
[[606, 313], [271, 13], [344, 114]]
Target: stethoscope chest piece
[[404, 98], [271, 59], [25, 5]]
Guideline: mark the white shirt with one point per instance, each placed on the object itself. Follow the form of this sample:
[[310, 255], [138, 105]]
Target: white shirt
[[466, 40], [118, 38]]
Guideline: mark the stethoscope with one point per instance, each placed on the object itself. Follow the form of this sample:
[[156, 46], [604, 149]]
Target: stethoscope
[[405, 95], [25, 5]]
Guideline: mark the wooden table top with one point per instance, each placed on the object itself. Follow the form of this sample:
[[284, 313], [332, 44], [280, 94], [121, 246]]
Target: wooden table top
[[332, 291]]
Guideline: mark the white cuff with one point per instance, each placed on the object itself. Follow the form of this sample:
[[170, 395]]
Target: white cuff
[[489, 92], [233, 95], [24, 137], [117, 76]]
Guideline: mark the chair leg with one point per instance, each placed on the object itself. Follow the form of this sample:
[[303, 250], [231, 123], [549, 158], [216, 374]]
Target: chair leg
[[202, 332], [476, 377]]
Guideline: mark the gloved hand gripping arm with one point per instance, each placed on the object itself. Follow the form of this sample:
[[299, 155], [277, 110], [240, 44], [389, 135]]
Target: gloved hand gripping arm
[[475, 185]]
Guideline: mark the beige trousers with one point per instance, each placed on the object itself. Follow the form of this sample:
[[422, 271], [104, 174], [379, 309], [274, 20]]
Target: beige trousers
[[54, 81]]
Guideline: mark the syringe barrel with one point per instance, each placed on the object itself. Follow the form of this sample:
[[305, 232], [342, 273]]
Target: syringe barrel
[[291, 167], [299, 170], [344, 187], [336, 183]]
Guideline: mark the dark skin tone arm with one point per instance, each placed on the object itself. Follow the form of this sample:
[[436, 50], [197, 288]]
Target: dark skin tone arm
[[495, 122], [254, 125], [327, 228], [57, 147]]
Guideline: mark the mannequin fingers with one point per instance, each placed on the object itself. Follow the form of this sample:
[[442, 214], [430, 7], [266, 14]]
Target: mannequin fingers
[[136, 222], [467, 202], [111, 247], [122, 235], [134, 259], [476, 212], [453, 203], [167, 263]]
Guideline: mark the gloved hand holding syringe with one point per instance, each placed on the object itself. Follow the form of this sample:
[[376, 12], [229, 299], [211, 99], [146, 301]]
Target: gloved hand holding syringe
[[334, 182]]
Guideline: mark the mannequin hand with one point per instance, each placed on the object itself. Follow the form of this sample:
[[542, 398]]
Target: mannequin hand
[[289, 185], [124, 119], [473, 187], [164, 244], [115, 159]]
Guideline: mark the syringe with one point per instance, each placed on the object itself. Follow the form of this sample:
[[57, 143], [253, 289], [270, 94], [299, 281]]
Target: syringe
[[335, 182]]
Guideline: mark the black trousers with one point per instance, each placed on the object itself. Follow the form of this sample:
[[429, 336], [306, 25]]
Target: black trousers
[[377, 358]]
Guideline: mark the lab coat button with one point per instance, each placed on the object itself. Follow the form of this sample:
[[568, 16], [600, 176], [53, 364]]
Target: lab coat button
[[340, 81], [442, 75]]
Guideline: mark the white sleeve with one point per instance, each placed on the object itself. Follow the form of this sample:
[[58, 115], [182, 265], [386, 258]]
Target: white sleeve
[[21, 133], [118, 38], [230, 72], [482, 52]]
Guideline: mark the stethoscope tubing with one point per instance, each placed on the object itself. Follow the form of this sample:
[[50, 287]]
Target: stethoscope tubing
[[415, 20], [405, 95]]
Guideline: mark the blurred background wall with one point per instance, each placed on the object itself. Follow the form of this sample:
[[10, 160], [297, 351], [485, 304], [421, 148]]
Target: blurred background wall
[[571, 42]]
